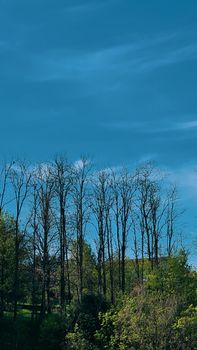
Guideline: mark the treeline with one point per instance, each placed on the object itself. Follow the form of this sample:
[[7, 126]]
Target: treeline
[[57, 206], [69, 232]]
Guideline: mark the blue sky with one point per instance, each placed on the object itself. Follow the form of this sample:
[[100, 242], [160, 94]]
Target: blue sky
[[115, 79]]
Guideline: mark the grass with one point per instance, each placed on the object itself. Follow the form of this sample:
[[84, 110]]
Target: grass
[[22, 313]]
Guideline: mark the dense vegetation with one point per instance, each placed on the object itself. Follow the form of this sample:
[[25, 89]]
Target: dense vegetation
[[91, 260]]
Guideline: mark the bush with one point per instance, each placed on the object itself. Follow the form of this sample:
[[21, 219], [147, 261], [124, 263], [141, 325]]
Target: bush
[[142, 323], [185, 329], [75, 340]]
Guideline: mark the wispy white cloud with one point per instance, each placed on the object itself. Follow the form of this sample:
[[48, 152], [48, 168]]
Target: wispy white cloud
[[150, 126], [136, 57], [169, 57], [187, 125], [76, 65], [186, 179]]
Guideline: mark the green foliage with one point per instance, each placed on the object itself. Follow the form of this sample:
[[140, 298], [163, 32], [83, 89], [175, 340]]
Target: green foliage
[[159, 314], [143, 323], [156, 315], [75, 340], [83, 322], [173, 276], [7, 262], [89, 270], [104, 335], [6, 259], [185, 328]]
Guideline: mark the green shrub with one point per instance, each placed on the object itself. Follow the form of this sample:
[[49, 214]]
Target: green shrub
[[76, 341], [185, 329]]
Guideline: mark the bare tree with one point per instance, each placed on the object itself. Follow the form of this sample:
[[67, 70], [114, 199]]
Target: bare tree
[[172, 215], [155, 212], [126, 189], [63, 177], [34, 241], [45, 187], [110, 249], [100, 206], [144, 184], [116, 210], [20, 179], [155, 217], [81, 215], [135, 247], [123, 187]]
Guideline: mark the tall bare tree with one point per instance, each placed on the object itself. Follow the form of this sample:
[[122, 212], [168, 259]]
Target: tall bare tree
[[116, 210], [123, 188], [127, 190], [110, 247], [45, 187], [20, 177], [100, 203], [81, 212], [172, 215], [34, 241], [63, 177]]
